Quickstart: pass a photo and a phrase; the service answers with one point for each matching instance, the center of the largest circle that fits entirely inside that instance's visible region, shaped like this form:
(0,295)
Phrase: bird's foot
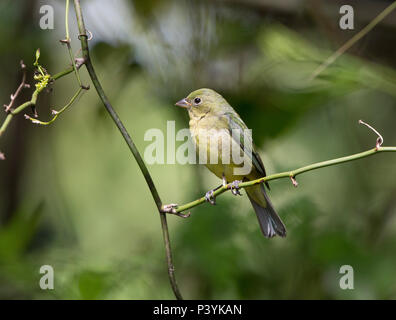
(209,197)
(234,186)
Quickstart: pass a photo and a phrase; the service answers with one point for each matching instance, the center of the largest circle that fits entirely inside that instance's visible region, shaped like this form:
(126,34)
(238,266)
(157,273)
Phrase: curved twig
(56,113)
(88,63)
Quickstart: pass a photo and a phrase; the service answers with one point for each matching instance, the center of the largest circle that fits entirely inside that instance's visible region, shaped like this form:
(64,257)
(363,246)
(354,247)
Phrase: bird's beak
(184,103)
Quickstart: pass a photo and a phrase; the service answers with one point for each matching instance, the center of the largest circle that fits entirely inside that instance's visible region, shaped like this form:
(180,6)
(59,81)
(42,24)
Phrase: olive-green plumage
(211,117)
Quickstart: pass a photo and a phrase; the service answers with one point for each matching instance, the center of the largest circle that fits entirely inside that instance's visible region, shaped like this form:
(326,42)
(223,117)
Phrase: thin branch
(88,63)
(55,112)
(20,87)
(31,102)
(78,63)
(353,40)
(62,73)
(67,42)
(43,79)
(289,174)
(67,20)
(10,116)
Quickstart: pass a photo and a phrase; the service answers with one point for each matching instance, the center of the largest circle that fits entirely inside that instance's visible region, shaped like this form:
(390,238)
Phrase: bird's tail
(270,223)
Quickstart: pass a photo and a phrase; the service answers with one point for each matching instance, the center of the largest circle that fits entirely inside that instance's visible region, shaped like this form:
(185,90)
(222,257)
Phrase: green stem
(36,92)
(23,106)
(29,103)
(288,174)
(67,20)
(6,123)
(57,113)
(130,143)
(62,73)
(67,41)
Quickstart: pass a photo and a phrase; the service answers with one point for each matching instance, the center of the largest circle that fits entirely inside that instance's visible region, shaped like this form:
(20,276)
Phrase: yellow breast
(214,148)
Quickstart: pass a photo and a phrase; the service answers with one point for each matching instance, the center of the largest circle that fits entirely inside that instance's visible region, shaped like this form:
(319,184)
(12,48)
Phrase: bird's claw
(209,197)
(234,186)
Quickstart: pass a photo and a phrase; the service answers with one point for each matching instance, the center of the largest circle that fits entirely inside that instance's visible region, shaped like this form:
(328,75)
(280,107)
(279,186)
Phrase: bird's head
(202,102)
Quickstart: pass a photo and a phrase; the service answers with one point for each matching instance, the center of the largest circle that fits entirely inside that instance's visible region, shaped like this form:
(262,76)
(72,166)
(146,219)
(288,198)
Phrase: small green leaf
(37,57)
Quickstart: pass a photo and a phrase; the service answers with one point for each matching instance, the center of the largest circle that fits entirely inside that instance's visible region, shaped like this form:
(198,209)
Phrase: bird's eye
(197,100)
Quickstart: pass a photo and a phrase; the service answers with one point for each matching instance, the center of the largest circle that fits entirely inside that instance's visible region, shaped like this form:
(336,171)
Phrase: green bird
(213,123)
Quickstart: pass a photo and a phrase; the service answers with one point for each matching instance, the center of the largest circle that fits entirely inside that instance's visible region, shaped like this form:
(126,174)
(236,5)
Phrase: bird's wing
(236,123)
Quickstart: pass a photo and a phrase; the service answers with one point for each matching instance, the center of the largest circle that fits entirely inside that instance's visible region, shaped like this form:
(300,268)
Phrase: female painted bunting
(214,127)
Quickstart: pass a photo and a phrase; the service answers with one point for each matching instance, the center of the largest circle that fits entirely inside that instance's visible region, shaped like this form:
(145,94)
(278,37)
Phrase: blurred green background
(72,196)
